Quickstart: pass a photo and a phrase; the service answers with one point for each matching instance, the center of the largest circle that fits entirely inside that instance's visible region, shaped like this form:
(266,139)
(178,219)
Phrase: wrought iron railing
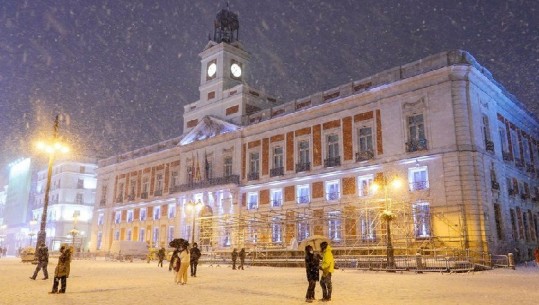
(144,195)
(131,197)
(332,196)
(495,185)
(158,193)
(364,155)
(276,203)
(419,185)
(120,199)
(506,156)
(416,145)
(489,145)
(278,171)
(303,199)
(303,167)
(233,179)
(253,176)
(519,163)
(332,162)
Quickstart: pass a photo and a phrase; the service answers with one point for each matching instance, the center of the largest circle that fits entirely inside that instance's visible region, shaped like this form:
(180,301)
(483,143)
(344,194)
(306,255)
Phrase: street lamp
(194,206)
(388,215)
(51,148)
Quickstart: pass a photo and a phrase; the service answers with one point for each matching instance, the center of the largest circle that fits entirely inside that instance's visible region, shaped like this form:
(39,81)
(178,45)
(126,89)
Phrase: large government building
(435,150)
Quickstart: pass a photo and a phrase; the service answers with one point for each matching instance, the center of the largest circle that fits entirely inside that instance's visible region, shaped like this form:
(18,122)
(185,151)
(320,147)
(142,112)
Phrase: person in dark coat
(234,258)
(42,261)
(175,255)
(61,273)
(312,265)
(242,258)
(195,255)
(161,257)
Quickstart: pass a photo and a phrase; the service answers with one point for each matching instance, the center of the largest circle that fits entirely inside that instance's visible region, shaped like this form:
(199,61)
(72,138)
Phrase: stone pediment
(208,127)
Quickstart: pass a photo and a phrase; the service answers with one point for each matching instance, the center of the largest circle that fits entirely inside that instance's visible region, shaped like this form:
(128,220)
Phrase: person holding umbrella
(312,263)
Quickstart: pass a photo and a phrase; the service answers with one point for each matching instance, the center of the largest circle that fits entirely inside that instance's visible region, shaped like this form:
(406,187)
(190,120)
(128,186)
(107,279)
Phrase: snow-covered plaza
(106,282)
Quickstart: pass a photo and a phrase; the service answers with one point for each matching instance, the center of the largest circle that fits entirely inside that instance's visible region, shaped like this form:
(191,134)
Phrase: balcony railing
(489,145)
(530,168)
(332,162)
(131,197)
(120,199)
(278,171)
(506,156)
(416,145)
(252,205)
(524,196)
(364,155)
(419,185)
(331,196)
(511,192)
(276,203)
(495,185)
(253,176)
(144,195)
(158,193)
(174,189)
(519,163)
(303,167)
(235,179)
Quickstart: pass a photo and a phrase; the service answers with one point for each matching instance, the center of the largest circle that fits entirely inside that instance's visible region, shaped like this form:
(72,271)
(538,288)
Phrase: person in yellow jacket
(327,267)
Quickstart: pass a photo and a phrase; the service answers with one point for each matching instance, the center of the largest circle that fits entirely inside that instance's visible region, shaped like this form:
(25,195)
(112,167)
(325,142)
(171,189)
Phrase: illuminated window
(421,213)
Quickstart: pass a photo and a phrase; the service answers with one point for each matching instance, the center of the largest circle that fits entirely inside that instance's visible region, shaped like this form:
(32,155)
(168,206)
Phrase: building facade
(253,171)
(71,203)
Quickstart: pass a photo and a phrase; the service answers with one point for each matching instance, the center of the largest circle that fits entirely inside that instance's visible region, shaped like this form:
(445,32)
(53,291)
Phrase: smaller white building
(71,202)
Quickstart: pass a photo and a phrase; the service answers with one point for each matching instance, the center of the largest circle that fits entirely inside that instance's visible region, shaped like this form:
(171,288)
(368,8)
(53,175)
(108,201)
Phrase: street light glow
(51,148)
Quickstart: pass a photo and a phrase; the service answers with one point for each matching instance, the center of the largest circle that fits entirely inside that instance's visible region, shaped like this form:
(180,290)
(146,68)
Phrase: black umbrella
(178,243)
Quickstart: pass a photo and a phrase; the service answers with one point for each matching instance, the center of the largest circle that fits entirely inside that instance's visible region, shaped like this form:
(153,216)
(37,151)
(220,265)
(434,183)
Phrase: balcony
(303,167)
(252,205)
(131,197)
(276,203)
(158,193)
(495,185)
(506,156)
(524,196)
(332,162)
(103,202)
(530,168)
(364,155)
(253,176)
(278,171)
(416,145)
(235,179)
(511,192)
(519,163)
(120,199)
(419,185)
(174,189)
(144,195)
(489,145)
(332,196)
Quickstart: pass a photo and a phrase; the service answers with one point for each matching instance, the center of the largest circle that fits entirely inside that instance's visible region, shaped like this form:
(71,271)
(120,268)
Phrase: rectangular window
(100,219)
(174,181)
(276,230)
(277,157)
(254,165)
(416,127)
(514,144)
(499,221)
(503,138)
(80,183)
(132,188)
(99,240)
(142,214)
(116,235)
(335,226)
(304,228)
(141,235)
(304,152)
(155,237)
(228,166)
(158,184)
(129,234)
(421,213)
(276,198)
(117,217)
(486,128)
(526,150)
(145,187)
(514,229)
(103,194)
(170,235)
(252,200)
(332,190)
(156,213)
(365,142)
(368,225)
(332,142)
(171,210)
(303,194)
(364,185)
(79,199)
(418,178)
(130,215)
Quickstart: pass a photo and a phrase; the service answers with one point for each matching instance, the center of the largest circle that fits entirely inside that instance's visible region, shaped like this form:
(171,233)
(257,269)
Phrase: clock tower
(224,93)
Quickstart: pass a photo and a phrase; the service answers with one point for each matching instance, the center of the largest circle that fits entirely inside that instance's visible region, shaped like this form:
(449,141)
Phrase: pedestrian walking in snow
(61,273)
(173,258)
(234,258)
(185,259)
(42,256)
(195,255)
(161,256)
(242,258)
(328,265)
(312,265)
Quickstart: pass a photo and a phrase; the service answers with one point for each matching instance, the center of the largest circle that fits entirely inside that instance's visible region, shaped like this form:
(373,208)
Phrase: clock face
(235,69)
(212,68)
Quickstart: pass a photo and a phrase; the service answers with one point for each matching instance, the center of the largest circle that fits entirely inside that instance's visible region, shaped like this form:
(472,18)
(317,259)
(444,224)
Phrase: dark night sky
(123,69)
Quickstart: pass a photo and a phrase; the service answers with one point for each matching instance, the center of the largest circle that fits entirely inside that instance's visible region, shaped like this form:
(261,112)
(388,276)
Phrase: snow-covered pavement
(104,282)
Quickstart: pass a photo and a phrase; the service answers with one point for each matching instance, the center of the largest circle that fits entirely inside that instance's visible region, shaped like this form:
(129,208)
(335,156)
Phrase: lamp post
(51,149)
(388,216)
(193,206)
